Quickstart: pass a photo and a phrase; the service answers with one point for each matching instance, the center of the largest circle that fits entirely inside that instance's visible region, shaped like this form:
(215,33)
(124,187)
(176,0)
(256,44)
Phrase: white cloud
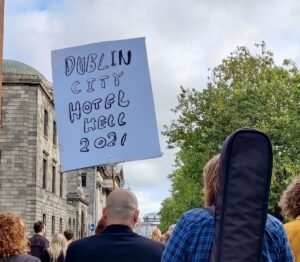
(149,201)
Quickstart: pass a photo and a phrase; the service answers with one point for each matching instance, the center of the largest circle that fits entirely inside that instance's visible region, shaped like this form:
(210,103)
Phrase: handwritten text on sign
(104,104)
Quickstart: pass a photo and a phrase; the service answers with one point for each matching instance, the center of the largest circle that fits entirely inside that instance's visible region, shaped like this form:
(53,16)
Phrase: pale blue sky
(183,39)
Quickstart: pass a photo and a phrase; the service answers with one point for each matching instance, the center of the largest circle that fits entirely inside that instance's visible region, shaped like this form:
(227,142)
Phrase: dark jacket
(46,257)
(21,258)
(38,244)
(116,243)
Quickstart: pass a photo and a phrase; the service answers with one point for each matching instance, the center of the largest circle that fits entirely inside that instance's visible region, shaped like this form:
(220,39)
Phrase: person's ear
(104,213)
(136,216)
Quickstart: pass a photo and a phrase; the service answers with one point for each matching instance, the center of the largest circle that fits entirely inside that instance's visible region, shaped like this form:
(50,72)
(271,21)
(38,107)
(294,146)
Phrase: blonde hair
(58,245)
(211,174)
(156,234)
(290,199)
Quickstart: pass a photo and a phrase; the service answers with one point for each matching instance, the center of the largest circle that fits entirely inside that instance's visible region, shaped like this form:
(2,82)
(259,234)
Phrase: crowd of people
(15,247)
(114,240)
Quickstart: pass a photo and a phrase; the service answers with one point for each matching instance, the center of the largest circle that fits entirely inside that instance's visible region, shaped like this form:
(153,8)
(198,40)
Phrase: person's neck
(40,233)
(120,223)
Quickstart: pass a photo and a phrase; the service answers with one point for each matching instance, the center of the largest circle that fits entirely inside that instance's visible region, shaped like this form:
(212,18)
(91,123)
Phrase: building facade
(31,183)
(150,222)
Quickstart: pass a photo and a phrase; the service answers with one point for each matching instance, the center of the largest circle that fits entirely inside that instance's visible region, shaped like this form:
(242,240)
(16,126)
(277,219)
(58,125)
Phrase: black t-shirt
(46,257)
(38,244)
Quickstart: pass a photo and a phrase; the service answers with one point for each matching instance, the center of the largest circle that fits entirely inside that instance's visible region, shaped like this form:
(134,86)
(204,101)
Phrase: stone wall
(18,149)
(23,148)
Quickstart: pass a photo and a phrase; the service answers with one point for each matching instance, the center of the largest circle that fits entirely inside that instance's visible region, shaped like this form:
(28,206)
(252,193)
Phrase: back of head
(290,200)
(69,234)
(12,235)
(58,245)
(100,226)
(171,228)
(210,174)
(166,237)
(121,208)
(156,234)
(38,226)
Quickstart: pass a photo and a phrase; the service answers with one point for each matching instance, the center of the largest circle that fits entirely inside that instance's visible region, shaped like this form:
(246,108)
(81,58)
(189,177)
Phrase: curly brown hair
(12,235)
(290,199)
(100,226)
(211,175)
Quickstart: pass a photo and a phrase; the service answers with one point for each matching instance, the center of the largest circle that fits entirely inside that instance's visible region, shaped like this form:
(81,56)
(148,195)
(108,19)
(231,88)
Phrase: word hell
(92,62)
(76,109)
(91,124)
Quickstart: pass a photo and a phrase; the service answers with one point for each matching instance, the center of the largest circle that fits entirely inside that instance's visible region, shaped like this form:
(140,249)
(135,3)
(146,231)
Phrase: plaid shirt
(193,236)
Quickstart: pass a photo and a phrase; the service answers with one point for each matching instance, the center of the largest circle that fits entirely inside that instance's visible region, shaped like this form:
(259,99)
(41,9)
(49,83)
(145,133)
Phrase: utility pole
(1,55)
(113,176)
(95,199)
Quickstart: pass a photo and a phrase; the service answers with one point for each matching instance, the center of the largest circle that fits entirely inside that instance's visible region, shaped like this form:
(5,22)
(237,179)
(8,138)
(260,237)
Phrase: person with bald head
(117,242)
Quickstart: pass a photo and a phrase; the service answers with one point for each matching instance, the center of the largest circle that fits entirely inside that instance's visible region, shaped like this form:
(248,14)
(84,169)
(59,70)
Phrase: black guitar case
(242,200)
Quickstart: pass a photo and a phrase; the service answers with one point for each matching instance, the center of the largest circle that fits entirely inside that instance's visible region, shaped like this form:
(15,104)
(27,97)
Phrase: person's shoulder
(273,222)
(33,237)
(38,237)
(197,215)
(274,227)
(45,239)
(292,224)
(30,258)
(24,258)
(149,241)
(81,242)
(148,246)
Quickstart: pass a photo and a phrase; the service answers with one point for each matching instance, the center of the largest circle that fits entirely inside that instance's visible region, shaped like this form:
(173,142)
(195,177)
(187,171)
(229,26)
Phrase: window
(53,178)
(45,123)
(61,184)
(53,225)
(44,219)
(45,173)
(83,179)
(70,223)
(54,133)
(60,225)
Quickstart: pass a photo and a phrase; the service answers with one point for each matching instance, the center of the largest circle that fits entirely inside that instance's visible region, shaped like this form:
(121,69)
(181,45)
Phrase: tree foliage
(245,90)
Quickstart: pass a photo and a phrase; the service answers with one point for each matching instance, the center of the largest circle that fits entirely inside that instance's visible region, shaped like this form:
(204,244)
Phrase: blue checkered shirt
(193,236)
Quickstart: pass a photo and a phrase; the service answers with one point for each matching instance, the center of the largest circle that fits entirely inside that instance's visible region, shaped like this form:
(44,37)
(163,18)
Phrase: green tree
(245,90)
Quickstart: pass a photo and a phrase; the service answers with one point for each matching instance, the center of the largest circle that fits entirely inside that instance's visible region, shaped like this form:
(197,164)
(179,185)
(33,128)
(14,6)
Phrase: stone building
(31,182)
(149,223)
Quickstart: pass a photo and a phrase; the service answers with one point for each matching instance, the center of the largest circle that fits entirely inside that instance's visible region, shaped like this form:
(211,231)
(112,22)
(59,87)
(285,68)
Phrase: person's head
(69,234)
(12,235)
(166,237)
(39,227)
(171,228)
(290,199)
(121,208)
(58,244)
(156,234)
(100,226)
(211,174)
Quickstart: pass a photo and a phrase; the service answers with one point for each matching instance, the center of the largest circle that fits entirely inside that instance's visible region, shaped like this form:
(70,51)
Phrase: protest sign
(104,104)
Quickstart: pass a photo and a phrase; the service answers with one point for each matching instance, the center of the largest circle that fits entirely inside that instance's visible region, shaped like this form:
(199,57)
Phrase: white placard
(104,104)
